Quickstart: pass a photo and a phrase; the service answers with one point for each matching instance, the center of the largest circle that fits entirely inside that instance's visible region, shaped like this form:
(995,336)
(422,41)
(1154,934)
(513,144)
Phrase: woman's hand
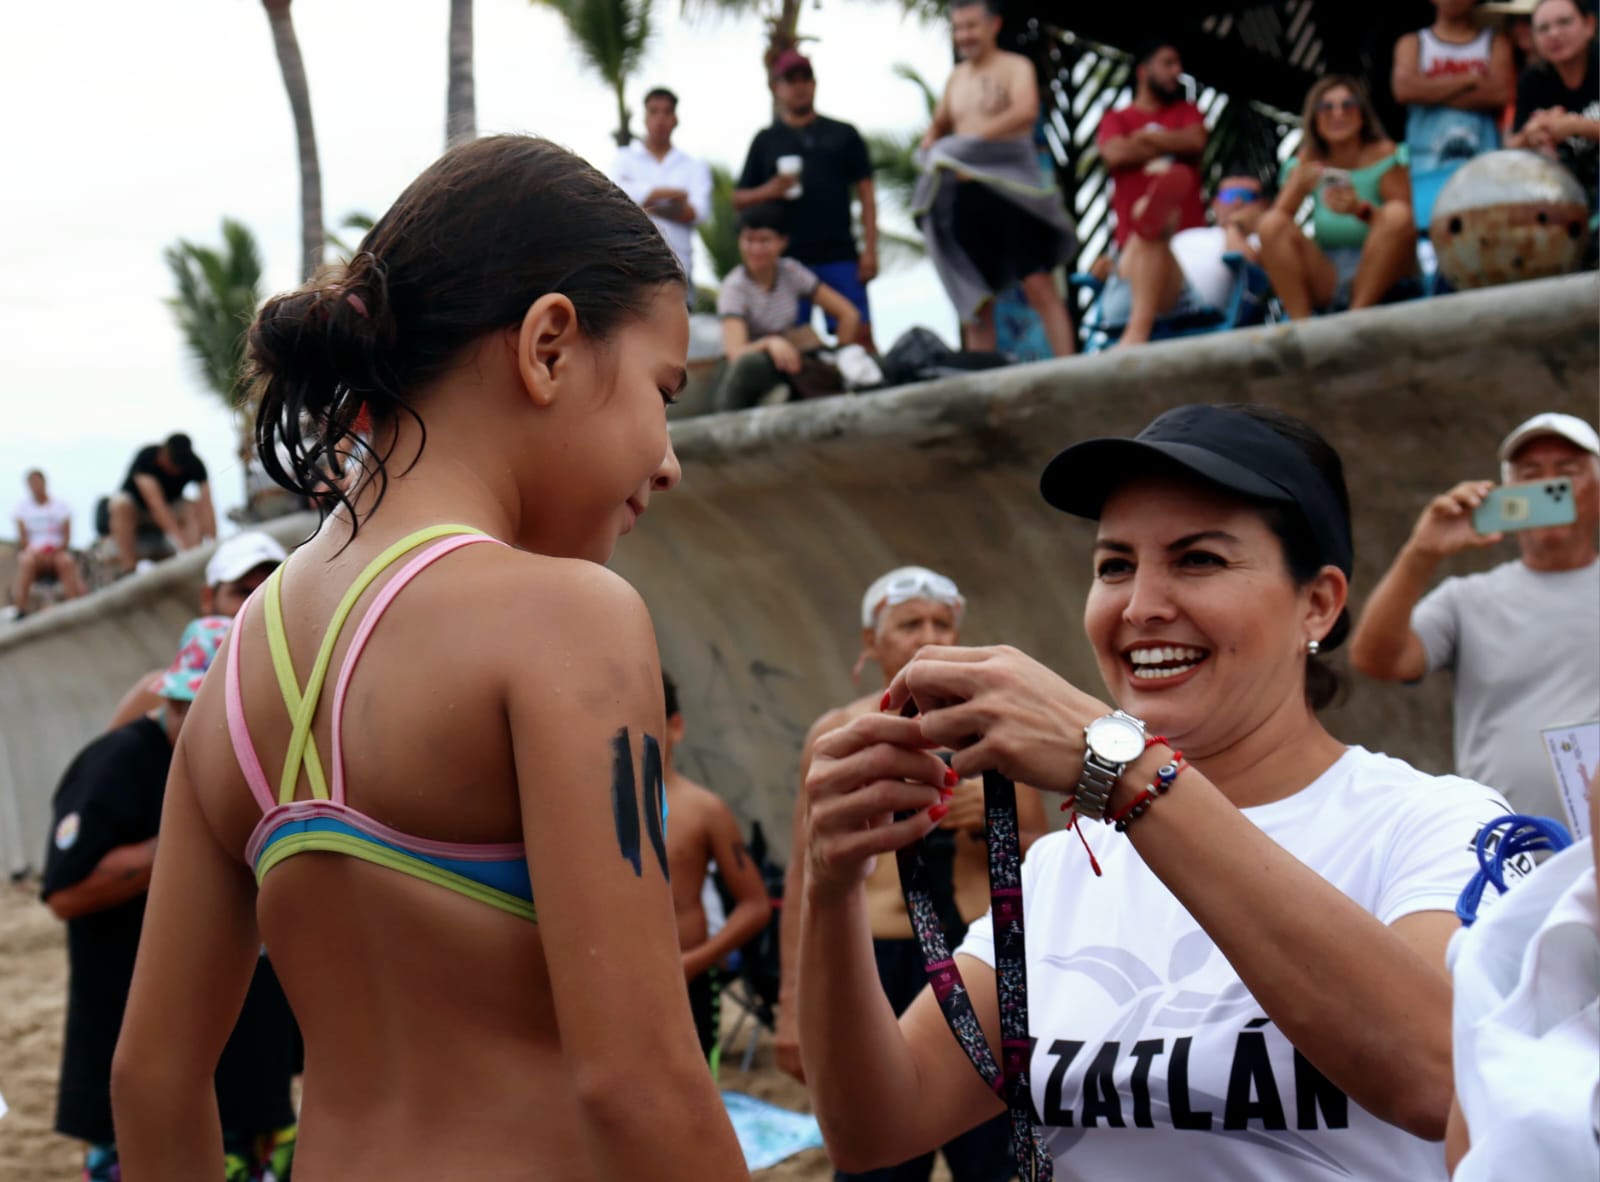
(1306,176)
(999,709)
(862,775)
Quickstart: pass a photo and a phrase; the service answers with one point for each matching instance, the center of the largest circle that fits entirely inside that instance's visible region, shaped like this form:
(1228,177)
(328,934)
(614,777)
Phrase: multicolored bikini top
(496,874)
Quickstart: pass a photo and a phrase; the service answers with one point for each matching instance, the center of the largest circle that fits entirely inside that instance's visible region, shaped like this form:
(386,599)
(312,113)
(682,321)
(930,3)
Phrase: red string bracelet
(1140,804)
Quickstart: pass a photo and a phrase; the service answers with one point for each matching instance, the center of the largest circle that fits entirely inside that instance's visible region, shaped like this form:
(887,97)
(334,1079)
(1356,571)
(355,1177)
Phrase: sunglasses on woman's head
(1238,195)
(1329,105)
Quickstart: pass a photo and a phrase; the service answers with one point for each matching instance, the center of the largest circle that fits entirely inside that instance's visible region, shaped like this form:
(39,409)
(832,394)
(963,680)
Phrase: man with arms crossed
(701,834)
(1522,640)
(900,613)
(671,186)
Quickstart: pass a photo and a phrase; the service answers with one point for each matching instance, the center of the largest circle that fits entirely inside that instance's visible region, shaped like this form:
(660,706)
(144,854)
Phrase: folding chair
(753,987)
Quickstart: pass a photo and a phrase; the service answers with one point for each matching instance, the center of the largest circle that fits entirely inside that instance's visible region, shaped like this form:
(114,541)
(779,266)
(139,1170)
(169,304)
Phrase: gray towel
(1010,169)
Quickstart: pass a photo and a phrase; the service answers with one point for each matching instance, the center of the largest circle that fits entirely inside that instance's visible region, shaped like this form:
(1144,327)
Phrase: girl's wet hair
(471,244)
(1302,553)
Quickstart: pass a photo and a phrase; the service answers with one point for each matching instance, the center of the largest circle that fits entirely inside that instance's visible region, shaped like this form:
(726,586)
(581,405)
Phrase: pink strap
(306,810)
(370,621)
(244,751)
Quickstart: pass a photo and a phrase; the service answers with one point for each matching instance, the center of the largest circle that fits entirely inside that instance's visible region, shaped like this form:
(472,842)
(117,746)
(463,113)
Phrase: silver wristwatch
(1111,743)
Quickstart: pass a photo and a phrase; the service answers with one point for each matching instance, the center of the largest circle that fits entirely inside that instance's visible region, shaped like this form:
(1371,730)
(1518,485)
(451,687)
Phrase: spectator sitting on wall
(671,186)
(761,341)
(1558,100)
(990,217)
(1363,235)
(44,543)
(106,813)
(238,567)
(152,496)
(1153,149)
(1455,78)
(1522,640)
(1155,278)
(815,166)
(703,837)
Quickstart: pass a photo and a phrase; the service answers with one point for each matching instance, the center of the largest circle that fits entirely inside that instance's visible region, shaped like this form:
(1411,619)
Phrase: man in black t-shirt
(106,813)
(1558,100)
(816,166)
(152,496)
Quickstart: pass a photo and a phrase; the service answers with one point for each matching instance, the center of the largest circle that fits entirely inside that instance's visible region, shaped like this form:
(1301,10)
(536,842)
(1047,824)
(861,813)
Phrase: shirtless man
(902,611)
(701,830)
(993,94)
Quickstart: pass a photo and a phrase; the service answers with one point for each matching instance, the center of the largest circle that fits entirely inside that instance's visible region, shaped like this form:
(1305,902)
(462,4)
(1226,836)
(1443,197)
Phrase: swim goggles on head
(908,583)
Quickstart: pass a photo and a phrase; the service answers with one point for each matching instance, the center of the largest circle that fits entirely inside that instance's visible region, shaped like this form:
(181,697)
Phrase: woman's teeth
(1158,663)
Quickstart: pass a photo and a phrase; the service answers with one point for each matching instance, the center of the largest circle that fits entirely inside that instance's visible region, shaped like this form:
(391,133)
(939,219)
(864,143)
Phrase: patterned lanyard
(1011,972)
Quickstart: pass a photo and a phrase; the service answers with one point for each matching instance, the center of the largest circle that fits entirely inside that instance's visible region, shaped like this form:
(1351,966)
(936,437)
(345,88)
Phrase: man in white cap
(1522,640)
(236,568)
(900,613)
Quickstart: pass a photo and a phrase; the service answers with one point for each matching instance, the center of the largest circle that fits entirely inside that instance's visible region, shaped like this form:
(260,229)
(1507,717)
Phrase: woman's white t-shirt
(1152,1059)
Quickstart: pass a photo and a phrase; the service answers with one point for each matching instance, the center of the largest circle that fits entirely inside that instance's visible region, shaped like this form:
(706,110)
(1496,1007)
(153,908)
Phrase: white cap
(1574,430)
(240,555)
(906,583)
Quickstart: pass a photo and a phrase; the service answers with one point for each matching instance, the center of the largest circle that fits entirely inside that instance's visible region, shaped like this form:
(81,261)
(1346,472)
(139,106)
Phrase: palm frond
(217,292)
(719,233)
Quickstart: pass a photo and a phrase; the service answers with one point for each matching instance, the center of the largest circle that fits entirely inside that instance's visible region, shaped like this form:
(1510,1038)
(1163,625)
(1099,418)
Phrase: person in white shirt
(671,186)
(1521,641)
(1169,275)
(1256,988)
(44,535)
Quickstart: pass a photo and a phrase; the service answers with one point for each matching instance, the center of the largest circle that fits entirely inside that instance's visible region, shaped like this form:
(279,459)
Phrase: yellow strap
(382,855)
(302,705)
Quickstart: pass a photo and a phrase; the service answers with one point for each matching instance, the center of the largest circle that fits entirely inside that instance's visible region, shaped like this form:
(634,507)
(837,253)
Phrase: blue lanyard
(1523,835)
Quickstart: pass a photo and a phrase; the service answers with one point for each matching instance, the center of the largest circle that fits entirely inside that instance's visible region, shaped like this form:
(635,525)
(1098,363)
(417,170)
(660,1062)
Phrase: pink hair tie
(359,304)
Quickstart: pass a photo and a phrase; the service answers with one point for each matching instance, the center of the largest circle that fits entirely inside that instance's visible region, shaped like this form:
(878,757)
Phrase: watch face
(1115,740)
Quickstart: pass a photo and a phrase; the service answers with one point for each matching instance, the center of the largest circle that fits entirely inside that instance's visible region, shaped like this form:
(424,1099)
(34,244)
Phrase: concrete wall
(754,569)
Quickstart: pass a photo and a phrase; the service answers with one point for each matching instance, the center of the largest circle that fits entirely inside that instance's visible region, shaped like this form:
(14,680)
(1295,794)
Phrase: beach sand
(33,982)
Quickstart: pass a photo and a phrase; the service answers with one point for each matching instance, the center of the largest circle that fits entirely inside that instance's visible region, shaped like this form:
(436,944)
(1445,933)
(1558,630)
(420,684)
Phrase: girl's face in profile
(610,452)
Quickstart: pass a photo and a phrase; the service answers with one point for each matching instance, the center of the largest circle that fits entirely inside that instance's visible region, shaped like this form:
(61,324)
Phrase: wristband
(1140,804)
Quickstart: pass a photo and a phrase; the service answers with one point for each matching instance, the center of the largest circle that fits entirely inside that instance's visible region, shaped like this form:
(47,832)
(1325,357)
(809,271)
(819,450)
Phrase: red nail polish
(884,704)
(937,812)
(947,794)
(951,779)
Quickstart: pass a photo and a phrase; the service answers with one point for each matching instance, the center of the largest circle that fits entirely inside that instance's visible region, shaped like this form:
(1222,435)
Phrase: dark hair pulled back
(1304,557)
(483,233)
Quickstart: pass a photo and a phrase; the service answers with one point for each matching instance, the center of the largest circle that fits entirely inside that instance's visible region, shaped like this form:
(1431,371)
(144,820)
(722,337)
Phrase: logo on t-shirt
(67,831)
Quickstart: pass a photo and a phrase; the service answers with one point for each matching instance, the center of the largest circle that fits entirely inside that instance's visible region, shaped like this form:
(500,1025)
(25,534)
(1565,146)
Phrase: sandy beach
(33,979)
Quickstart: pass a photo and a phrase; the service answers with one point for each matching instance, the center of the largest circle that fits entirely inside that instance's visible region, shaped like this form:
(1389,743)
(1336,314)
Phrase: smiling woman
(1266,955)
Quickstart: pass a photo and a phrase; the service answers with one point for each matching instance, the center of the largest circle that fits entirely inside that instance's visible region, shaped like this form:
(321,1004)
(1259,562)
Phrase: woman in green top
(1363,239)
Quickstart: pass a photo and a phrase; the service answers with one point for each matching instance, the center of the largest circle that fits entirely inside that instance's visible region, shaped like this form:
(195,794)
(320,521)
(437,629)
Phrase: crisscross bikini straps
(302,752)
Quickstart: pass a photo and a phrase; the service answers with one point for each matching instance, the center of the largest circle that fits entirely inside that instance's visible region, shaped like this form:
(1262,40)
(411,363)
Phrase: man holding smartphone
(1522,640)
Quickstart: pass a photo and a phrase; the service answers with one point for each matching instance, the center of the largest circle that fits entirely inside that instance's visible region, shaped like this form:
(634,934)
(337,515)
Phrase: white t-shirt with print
(46,524)
(1152,1059)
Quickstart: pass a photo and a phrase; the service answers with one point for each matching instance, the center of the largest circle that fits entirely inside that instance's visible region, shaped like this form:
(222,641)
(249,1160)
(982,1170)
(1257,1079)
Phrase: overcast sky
(132,125)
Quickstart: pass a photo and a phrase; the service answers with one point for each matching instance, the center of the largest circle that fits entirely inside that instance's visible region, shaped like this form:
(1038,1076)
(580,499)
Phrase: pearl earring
(1313,647)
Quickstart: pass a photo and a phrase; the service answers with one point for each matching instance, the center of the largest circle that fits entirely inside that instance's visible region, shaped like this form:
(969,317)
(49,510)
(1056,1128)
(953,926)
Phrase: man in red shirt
(1153,148)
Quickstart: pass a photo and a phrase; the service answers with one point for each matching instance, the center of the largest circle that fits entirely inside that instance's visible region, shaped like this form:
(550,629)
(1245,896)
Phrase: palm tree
(218,291)
(461,109)
(719,234)
(894,153)
(294,81)
(612,35)
(782,19)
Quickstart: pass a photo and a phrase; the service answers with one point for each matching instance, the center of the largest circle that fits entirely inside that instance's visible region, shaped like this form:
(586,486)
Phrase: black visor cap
(1220,446)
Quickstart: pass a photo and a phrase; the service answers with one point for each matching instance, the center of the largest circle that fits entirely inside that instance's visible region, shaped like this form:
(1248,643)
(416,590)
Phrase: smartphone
(1534,505)
(1335,178)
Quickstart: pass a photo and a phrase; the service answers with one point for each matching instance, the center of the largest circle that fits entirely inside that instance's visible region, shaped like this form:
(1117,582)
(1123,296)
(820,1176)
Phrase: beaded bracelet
(1136,808)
